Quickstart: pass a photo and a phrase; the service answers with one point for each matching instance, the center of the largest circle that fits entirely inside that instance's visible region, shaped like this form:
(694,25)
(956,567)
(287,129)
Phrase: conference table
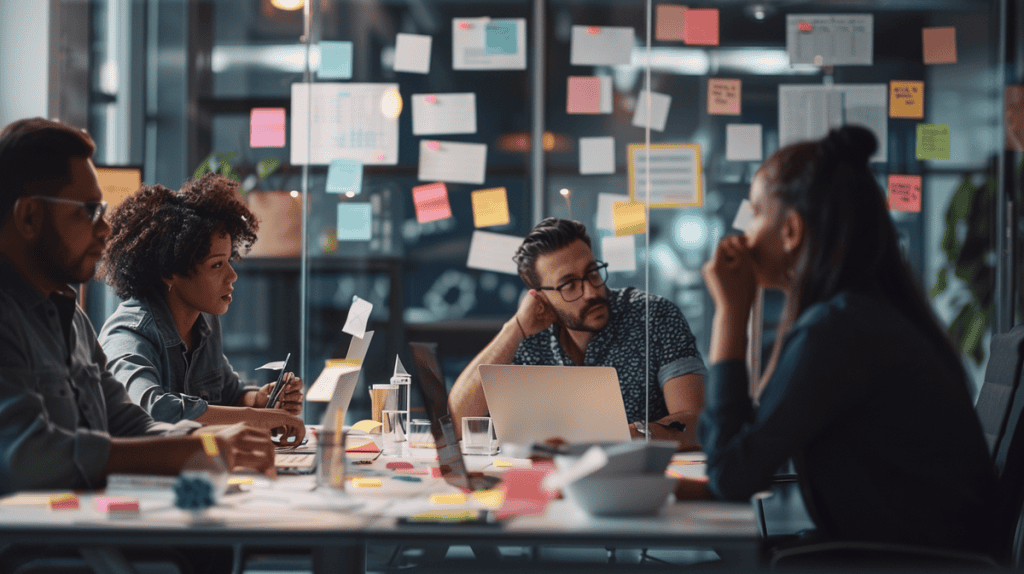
(337,525)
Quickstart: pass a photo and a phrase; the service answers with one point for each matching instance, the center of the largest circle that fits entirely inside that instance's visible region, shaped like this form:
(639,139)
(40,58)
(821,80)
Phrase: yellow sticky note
(241,480)
(906,99)
(339,362)
(502,463)
(366,426)
(368,482)
(210,445)
(448,498)
(489,497)
(629,217)
(490,207)
(118,183)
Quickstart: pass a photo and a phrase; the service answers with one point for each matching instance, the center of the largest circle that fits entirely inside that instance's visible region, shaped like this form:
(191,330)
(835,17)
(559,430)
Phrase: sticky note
(241,480)
(335,61)
(115,504)
(934,141)
(605,207)
(266,127)
(523,493)
(501,463)
(500,37)
(64,502)
(630,217)
(743,142)
(939,45)
(355,324)
(905,193)
(435,472)
(412,471)
(368,446)
(488,497)
(586,95)
(444,113)
(398,465)
(209,444)
(453,162)
(670,20)
(366,482)
(345,176)
(724,96)
(660,104)
(744,215)
(493,252)
(490,207)
(449,498)
(117,183)
(906,99)
(805,27)
(601,45)
(619,253)
(597,155)
(366,426)
(354,221)
(407,478)
(431,202)
(412,53)
(701,26)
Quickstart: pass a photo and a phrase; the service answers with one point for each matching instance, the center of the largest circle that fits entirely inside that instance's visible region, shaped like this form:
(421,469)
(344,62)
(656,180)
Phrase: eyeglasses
(94,210)
(572,289)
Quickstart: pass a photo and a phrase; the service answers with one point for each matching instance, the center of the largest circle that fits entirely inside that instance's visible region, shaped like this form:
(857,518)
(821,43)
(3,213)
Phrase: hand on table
(729,275)
(277,421)
(290,399)
(244,447)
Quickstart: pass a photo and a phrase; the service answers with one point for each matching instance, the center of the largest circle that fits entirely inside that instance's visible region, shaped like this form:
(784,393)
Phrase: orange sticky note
(905,193)
(906,99)
(939,45)
(701,27)
(490,207)
(583,95)
(629,217)
(724,96)
(670,22)
(266,127)
(431,202)
(593,29)
(118,183)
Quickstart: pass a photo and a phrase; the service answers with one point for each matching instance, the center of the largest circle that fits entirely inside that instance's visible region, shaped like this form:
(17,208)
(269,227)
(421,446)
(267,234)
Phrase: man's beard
(54,260)
(578,323)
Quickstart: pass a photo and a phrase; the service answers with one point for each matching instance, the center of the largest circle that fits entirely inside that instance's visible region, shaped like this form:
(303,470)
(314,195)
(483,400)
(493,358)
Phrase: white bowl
(623,495)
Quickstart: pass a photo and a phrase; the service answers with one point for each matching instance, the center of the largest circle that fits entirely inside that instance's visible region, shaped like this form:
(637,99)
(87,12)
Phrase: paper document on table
(347,122)
(743,142)
(444,114)
(601,45)
(830,39)
(454,162)
(493,252)
(809,111)
(358,316)
(486,44)
(597,155)
(412,53)
(675,175)
(619,253)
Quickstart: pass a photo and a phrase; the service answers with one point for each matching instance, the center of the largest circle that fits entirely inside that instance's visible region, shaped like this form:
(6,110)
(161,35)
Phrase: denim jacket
(146,354)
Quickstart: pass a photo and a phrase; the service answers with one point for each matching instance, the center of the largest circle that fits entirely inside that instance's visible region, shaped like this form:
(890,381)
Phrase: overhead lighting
(287,4)
(391,104)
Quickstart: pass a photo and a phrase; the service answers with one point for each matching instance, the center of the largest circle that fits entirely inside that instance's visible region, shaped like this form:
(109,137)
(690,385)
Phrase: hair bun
(855,144)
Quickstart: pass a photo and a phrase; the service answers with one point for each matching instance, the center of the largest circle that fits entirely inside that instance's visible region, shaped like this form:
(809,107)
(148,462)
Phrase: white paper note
(659,110)
(743,142)
(443,114)
(675,175)
(830,39)
(493,252)
(601,45)
(743,215)
(358,345)
(605,208)
(597,155)
(358,315)
(453,162)
(348,122)
(809,111)
(472,51)
(412,53)
(619,252)
(323,388)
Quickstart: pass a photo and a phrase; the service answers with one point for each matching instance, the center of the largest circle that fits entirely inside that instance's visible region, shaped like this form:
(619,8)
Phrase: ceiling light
(287,4)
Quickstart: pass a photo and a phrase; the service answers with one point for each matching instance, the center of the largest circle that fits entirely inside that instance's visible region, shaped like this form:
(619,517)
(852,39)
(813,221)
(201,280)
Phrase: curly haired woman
(169,257)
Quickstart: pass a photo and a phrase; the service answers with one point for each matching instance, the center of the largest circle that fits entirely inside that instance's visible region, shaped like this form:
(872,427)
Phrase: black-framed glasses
(94,210)
(572,289)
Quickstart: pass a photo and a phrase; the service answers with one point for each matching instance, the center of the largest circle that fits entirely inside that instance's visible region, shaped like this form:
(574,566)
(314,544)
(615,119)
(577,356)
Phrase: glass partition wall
(333,115)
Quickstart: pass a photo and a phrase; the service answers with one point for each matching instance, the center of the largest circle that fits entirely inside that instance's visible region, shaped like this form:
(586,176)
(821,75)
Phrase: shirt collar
(18,288)
(165,322)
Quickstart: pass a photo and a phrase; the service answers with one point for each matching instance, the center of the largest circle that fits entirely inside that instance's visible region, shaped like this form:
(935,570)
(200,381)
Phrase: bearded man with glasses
(570,317)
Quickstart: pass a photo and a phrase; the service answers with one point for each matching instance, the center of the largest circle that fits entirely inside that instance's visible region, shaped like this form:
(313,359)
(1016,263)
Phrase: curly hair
(157,233)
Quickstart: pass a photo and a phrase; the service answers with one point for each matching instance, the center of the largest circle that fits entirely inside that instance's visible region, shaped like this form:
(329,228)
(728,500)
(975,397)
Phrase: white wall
(24,59)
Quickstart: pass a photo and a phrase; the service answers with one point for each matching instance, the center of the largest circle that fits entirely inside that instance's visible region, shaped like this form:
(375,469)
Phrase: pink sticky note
(266,127)
(435,472)
(523,494)
(465,25)
(411,471)
(905,193)
(701,27)
(431,99)
(115,504)
(434,145)
(670,22)
(431,202)
(593,29)
(939,45)
(724,96)
(64,502)
(805,26)
(584,95)
(398,465)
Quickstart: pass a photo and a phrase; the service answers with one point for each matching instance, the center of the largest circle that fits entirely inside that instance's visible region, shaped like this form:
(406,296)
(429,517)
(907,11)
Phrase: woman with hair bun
(169,257)
(863,391)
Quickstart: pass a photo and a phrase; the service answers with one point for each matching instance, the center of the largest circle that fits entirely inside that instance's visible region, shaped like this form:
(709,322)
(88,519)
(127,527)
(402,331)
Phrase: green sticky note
(345,176)
(500,37)
(354,222)
(934,141)
(335,61)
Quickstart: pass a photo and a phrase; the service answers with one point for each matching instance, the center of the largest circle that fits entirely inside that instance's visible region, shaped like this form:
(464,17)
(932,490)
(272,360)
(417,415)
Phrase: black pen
(279,385)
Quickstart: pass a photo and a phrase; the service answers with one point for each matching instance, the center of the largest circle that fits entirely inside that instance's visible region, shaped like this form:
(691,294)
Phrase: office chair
(1000,408)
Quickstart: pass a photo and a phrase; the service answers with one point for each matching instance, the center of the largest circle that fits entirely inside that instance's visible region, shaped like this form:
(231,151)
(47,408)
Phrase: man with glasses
(570,317)
(65,422)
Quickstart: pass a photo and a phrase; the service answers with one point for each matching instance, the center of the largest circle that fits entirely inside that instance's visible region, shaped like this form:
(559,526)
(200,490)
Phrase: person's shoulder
(633,297)
(844,310)
(132,316)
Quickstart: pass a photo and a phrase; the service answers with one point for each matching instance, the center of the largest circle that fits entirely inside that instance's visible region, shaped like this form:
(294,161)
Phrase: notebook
(532,403)
(435,399)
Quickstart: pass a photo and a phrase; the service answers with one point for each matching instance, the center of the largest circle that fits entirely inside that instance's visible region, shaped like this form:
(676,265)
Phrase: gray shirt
(59,406)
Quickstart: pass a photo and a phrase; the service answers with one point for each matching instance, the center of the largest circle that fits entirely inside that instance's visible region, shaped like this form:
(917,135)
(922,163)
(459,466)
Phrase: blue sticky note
(335,61)
(500,37)
(354,222)
(408,478)
(345,175)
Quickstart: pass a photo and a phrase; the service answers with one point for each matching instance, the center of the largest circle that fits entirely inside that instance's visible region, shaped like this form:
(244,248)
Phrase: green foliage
(222,163)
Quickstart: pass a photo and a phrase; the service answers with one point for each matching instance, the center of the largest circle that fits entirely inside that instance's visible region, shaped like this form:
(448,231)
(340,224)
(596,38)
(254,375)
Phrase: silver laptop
(530,403)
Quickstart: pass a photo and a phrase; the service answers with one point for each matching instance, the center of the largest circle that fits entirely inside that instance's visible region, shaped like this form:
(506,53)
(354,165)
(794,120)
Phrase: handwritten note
(431,202)
(934,141)
(724,96)
(906,99)
(266,127)
(412,53)
(905,193)
(630,218)
(354,222)
(701,27)
(597,155)
(601,45)
(939,45)
(490,207)
(670,20)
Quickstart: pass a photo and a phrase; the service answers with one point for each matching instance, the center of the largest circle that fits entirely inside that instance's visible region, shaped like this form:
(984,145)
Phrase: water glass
(393,433)
(477,436)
